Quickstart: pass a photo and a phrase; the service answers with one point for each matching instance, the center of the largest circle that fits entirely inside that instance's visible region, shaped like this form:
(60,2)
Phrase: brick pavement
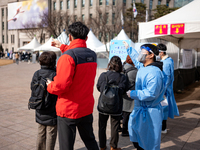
(18,128)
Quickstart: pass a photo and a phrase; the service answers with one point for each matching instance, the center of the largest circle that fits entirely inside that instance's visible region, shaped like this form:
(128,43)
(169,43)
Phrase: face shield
(143,53)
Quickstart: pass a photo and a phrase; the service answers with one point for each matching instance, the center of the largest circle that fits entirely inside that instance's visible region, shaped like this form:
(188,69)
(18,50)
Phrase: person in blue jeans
(145,122)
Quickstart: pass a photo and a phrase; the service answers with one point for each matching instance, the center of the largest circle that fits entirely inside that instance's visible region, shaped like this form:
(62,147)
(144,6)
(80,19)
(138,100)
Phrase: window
(90,16)
(100,35)
(113,35)
(75,3)
(83,17)
(44,37)
(100,2)
(6,11)
(54,5)
(68,20)
(159,2)
(83,3)
(124,2)
(68,4)
(2,25)
(114,2)
(2,11)
(7,38)
(61,5)
(150,4)
(107,18)
(107,2)
(113,18)
(91,2)
(75,18)
(13,38)
(167,3)
(142,1)
(2,38)
(100,17)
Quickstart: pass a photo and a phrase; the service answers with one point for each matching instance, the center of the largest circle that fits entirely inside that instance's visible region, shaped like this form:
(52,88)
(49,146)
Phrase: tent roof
(63,38)
(47,47)
(121,36)
(92,42)
(30,46)
(188,14)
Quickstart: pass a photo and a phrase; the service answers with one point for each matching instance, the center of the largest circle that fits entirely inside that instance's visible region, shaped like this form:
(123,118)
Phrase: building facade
(84,9)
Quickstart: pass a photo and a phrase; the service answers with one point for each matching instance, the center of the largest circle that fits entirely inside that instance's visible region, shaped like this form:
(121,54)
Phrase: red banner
(161,29)
(177,28)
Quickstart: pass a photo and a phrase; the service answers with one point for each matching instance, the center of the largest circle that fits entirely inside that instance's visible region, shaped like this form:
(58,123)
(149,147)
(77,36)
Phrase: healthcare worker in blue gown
(145,121)
(168,68)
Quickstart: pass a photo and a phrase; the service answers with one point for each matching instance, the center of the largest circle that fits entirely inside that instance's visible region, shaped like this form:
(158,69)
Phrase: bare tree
(52,23)
(34,30)
(106,25)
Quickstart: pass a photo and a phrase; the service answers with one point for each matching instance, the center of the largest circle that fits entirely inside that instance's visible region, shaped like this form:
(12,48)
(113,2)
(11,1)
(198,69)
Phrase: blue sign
(117,48)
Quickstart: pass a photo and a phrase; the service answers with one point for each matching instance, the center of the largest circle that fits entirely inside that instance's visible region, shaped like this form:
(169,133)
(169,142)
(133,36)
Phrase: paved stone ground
(18,128)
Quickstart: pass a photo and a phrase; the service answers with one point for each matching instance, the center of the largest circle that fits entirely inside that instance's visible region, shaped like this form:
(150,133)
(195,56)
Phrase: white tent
(189,15)
(47,47)
(92,42)
(121,36)
(30,46)
(63,38)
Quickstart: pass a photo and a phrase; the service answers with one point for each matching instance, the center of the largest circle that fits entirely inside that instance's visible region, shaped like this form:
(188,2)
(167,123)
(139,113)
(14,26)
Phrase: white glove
(126,44)
(128,93)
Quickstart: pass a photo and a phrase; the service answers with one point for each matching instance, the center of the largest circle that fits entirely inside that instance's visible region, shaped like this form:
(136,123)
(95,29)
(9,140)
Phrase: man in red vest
(74,82)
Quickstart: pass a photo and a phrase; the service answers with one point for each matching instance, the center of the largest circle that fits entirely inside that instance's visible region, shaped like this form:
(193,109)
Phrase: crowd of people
(139,91)
(20,56)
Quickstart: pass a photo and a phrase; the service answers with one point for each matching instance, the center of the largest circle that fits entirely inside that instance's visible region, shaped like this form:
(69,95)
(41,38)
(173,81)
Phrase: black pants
(164,125)
(114,130)
(136,145)
(67,132)
(125,121)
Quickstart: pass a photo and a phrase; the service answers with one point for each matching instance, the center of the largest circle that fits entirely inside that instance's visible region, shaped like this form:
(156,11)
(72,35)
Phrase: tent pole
(178,62)
(196,57)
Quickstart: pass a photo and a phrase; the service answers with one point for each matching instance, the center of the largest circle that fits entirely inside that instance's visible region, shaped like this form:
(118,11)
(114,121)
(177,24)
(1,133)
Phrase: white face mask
(158,58)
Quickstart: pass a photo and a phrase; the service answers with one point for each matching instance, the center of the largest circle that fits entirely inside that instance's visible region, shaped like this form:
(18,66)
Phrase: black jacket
(46,116)
(112,78)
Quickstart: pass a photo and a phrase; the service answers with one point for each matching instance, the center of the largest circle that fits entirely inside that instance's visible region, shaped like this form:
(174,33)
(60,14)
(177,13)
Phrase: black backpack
(40,98)
(109,101)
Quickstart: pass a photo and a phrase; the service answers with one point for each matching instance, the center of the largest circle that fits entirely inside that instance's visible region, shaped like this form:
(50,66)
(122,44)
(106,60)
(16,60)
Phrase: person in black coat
(46,118)
(114,75)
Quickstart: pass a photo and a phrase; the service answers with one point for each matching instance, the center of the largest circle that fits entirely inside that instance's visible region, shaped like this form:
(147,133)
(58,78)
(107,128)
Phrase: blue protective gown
(171,110)
(145,122)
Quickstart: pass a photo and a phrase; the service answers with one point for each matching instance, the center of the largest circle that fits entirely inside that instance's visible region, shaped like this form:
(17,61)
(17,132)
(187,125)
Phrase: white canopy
(47,47)
(121,36)
(92,42)
(189,15)
(63,38)
(30,46)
